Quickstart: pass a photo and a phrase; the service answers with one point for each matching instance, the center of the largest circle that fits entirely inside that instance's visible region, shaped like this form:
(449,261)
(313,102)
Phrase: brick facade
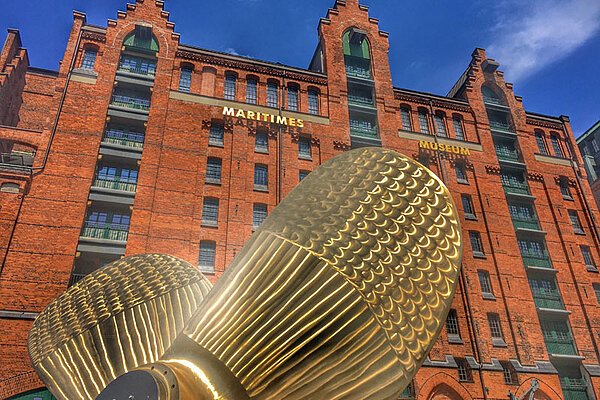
(112,160)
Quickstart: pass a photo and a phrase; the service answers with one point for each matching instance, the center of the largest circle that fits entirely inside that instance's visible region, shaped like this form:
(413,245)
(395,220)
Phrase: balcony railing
(358,67)
(132,102)
(537,261)
(370,132)
(525,223)
(124,138)
(97,230)
(550,300)
(491,100)
(115,184)
(138,65)
(500,126)
(562,346)
(507,154)
(360,100)
(574,388)
(516,188)
(76,278)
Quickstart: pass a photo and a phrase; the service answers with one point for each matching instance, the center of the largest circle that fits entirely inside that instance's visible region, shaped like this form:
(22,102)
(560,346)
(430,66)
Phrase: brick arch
(442,386)
(545,392)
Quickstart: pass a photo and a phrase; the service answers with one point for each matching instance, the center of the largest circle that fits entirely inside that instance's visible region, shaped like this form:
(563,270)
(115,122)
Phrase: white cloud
(531,35)
(231,50)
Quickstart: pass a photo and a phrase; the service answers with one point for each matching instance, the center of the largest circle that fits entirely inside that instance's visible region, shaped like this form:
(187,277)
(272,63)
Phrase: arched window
(293,91)
(251,89)
(490,96)
(405,116)
(541,143)
(9,187)
(142,39)
(230,80)
(272,93)
(356,53)
(89,57)
(423,123)
(185,77)
(457,123)
(555,140)
(440,123)
(313,100)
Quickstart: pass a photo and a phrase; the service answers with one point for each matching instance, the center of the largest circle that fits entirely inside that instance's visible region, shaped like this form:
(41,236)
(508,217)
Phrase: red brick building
(126,149)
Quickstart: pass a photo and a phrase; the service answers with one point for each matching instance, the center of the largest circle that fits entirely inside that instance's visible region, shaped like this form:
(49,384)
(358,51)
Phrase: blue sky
(549,49)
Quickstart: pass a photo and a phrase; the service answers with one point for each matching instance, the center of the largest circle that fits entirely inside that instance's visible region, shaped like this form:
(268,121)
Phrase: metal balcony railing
(358,67)
(360,100)
(513,187)
(76,278)
(563,346)
(491,100)
(116,184)
(370,132)
(500,126)
(132,102)
(537,261)
(97,230)
(525,223)
(138,65)
(507,154)
(547,299)
(124,138)
(574,388)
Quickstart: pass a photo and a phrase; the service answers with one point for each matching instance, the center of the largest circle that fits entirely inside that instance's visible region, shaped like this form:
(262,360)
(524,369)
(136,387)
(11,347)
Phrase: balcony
(124,138)
(357,67)
(547,299)
(492,100)
(507,154)
(574,388)
(525,223)
(562,346)
(131,102)
(516,188)
(17,161)
(360,100)
(138,66)
(107,231)
(115,184)
(537,261)
(364,131)
(500,126)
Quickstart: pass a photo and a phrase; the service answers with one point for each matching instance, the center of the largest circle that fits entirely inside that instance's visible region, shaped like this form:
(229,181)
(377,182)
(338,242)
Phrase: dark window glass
(302,175)
(261,142)
(216,134)
(587,256)
(458,128)
(541,144)
(259,214)
(566,192)
(597,292)
(461,173)
(595,145)
(423,125)
(304,147)
(484,282)
(575,223)
(556,146)
(440,125)
(89,59)
(213,170)
(452,324)
(510,375)
(467,204)
(272,96)
(251,91)
(405,116)
(185,80)
(532,248)
(313,102)
(210,211)
(495,328)
(229,87)
(476,245)
(293,98)
(206,256)
(260,176)
(465,374)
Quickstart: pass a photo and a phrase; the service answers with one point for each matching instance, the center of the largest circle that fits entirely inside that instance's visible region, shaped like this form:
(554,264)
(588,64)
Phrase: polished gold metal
(340,294)
(116,319)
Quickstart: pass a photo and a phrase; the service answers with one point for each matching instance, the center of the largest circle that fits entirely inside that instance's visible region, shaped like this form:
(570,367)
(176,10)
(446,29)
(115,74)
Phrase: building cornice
(424,98)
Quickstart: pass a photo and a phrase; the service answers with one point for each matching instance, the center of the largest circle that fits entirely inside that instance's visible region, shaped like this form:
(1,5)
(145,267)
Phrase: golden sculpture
(340,294)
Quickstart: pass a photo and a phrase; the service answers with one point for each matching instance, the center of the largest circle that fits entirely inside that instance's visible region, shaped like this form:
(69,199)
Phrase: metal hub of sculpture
(340,294)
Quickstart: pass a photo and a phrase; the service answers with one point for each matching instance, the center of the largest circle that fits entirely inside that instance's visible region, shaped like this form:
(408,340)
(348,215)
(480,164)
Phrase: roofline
(249,60)
(435,96)
(543,116)
(94,28)
(42,72)
(585,134)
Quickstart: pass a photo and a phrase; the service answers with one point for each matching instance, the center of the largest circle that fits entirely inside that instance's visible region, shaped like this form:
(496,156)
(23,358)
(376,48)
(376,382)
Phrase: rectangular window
(452,324)
(597,292)
(89,59)
(304,148)
(510,375)
(467,205)
(215,137)
(440,125)
(565,190)
(260,177)
(313,102)
(272,95)
(595,145)
(575,223)
(258,215)
(556,146)
(587,257)
(541,144)
(465,374)
(302,175)
(206,256)
(476,244)
(292,98)
(423,125)
(458,128)
(229,93)
(213,170)
(532,248)
(495,328)
(484,282)
(405,117)
(251,85)
(185,79)
(210,211)
(261,142)
(461,173)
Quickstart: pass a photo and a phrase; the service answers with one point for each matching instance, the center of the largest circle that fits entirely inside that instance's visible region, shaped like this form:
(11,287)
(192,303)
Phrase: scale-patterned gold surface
(117,318)
(341,292)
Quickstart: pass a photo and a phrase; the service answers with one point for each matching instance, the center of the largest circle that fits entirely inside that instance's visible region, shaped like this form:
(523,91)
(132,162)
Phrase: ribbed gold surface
(119,317)
(341,292)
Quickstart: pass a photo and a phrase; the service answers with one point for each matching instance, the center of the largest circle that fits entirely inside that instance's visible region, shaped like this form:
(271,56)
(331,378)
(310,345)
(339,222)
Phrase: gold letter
(465,151)
(423,144)
(281,120)
(250,114)
(240,114)
(228,111)
(300,123)
(292,121)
